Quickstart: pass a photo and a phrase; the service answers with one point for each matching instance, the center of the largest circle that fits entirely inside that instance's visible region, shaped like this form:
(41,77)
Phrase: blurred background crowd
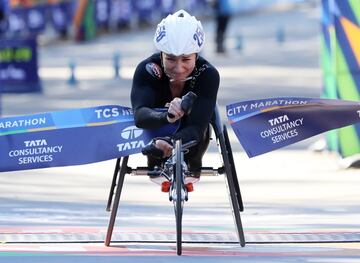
(84,19)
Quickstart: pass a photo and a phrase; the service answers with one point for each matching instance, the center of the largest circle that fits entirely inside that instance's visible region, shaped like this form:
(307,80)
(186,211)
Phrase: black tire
(113,184)
(179,202)
(116,200)
(233,169)
(231,190)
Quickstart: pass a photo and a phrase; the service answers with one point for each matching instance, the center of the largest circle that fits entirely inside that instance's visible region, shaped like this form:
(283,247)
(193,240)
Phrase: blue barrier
(72,79)
(280,34)
(116,63)
(239,42)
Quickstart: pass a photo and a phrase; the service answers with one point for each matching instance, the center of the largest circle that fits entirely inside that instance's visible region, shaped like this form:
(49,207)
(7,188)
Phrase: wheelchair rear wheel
(120,182)
(231,187)
(233,169)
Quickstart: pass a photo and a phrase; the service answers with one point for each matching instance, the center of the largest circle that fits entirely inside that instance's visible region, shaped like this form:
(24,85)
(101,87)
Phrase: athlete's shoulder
(151,66)
(202,62)
(203,65)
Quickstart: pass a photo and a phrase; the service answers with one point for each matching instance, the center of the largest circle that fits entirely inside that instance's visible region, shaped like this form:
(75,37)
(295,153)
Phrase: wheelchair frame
(228,169)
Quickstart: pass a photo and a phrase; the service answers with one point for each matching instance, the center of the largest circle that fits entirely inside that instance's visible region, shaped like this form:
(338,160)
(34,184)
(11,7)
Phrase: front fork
(185,171)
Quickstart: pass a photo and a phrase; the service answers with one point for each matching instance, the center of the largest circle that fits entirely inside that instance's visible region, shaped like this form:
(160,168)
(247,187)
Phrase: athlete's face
(178,68)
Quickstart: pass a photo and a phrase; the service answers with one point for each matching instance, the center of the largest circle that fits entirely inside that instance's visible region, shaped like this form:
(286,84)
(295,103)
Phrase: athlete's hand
(175,111)
(165,147)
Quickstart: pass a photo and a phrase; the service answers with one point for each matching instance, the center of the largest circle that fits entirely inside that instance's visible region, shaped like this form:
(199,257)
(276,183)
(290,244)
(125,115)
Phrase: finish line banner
(72,137)
(269,124)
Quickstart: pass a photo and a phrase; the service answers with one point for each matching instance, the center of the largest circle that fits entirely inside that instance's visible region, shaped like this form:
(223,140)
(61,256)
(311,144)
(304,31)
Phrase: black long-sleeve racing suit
(151,89)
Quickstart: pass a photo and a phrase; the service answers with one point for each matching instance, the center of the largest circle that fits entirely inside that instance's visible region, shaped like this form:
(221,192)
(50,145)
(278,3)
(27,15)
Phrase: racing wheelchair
(175,170)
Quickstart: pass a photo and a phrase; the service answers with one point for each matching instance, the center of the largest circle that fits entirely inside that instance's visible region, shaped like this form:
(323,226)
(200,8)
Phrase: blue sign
(269,124)
(121,12)
(102,12)
(18,66)
(61,15)
(145,10)
(17,21)
(167,7)
(36,19)
(4,10)
(72,137)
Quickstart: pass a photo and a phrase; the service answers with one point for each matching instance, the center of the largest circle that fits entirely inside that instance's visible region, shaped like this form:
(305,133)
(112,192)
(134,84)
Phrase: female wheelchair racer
(165,77)
(162,80)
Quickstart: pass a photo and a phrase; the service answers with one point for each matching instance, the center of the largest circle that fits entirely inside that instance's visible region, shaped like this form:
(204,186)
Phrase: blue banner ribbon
(269,124)
(72,137)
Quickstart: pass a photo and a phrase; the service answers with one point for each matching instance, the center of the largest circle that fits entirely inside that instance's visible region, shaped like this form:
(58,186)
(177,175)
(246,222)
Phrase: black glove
(187,102)
(152,150)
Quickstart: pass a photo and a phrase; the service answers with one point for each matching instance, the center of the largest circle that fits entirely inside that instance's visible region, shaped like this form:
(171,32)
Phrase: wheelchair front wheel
(179,200)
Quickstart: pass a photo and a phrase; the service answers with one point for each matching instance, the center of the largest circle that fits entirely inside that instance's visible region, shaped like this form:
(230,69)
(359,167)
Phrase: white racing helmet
(179,34)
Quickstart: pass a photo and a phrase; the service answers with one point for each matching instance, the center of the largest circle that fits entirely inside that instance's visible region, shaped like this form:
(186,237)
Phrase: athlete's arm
(197,122)
(143,99)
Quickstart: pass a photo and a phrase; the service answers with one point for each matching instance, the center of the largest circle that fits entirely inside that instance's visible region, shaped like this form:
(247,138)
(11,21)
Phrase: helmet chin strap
(172,80)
